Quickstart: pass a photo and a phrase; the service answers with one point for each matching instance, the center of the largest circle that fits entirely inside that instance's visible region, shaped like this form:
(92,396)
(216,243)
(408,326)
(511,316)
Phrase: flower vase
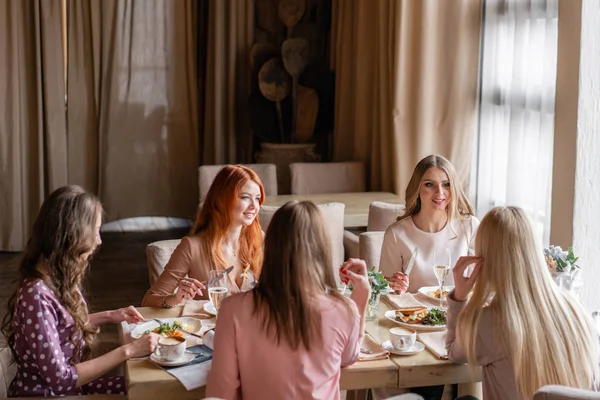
(373,307)
(569,281)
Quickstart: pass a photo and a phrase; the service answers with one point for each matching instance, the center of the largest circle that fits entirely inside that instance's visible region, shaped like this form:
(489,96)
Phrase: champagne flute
(441,268)
(217,288)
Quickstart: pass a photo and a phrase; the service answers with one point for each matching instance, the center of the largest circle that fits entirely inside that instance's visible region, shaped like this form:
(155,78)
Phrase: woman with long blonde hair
(531,334)
(48,327)
(289,336)
(438,217)
(226,233)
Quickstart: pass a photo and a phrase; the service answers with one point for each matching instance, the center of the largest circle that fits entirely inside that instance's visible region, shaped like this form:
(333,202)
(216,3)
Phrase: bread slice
(412,310)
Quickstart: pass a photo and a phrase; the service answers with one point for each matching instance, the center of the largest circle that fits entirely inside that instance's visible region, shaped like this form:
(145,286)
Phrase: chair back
(369,248)
(556,392)
(8,369)
(333,177)
(266,172)
(382,215)
(158,255)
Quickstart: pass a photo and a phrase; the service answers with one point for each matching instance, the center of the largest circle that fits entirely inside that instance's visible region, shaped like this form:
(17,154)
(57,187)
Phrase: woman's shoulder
(337,308)
(402,225)
(34,293)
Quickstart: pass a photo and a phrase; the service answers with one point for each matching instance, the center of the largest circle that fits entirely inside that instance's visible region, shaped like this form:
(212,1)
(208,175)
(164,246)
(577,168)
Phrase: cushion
(317,178)
(158,255)
(333,214)
(369,248)
(382,215)
(555,392)
(8,370)
(266,172)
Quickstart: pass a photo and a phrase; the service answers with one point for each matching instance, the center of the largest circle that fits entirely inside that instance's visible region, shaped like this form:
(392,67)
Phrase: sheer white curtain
(515,139)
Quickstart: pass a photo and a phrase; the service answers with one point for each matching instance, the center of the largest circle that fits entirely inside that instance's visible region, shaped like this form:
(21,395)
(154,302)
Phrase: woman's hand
(127,314)
(188,289)
(355,271)
(464,285)
(143,346)
(399,282)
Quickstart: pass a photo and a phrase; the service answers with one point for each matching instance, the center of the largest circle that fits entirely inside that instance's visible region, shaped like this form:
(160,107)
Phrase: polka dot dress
(42,331)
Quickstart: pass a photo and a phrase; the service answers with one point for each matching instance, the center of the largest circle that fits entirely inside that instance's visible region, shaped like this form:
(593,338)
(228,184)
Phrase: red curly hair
(214,217)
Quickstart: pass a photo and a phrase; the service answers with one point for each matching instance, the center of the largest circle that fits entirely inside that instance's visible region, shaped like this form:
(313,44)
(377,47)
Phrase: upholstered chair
(266,172)
(555,392)
(332,177)
(381,215)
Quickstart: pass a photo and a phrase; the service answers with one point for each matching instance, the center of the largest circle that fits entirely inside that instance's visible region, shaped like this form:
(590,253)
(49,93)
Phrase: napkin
(378,352)
(435,342)
(195,308)
(192,376)
(396,301)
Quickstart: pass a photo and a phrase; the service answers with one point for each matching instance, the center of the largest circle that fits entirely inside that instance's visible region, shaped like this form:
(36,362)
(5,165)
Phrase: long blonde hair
(459,206)
(546,335)
(297,269)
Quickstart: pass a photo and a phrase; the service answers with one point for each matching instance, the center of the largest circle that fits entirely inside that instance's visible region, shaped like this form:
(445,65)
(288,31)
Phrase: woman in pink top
(531,334)
(288,338)
(226,233)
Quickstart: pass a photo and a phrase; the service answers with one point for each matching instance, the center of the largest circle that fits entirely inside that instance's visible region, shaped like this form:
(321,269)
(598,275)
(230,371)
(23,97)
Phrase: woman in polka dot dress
(48,327)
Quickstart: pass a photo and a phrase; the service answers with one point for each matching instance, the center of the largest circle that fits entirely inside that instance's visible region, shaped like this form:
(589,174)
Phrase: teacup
(402,338)
(170,348)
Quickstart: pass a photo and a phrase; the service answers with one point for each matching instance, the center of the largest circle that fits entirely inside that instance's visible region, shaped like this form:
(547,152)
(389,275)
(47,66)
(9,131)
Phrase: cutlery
(411,263)
(366,351)
(220,276)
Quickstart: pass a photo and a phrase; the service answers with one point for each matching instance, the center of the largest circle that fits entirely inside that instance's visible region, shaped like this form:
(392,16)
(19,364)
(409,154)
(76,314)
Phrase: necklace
(230,248)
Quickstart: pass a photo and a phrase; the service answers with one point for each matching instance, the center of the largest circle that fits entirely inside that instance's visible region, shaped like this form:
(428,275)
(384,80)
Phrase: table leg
(474,389)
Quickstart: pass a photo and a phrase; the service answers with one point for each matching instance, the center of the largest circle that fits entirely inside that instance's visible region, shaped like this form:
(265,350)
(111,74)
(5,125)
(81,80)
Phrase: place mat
(378,352)
(435,342)
(396,301)
(194,374)
(195,308)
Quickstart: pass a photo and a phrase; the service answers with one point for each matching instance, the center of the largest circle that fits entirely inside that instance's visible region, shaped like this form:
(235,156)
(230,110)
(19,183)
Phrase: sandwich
(411,315)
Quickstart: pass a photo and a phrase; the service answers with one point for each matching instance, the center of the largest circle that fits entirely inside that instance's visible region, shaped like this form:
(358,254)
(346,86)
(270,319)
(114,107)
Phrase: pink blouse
(249,364)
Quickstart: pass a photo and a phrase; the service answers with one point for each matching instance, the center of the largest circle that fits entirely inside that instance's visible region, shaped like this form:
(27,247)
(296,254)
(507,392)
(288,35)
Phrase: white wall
(586,217)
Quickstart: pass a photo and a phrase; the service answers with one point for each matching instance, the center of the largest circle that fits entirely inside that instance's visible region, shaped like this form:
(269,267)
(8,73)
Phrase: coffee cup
(170,348)
(402,338)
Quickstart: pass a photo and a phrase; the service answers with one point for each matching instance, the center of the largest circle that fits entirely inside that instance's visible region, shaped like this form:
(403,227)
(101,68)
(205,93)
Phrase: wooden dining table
(147,381)
(357,204)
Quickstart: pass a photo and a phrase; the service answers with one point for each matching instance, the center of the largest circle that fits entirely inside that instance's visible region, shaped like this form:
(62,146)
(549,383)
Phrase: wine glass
(217,288)
(441,267)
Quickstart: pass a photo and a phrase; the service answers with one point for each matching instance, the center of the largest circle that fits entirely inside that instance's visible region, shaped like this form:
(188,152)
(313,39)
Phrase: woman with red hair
(226,233)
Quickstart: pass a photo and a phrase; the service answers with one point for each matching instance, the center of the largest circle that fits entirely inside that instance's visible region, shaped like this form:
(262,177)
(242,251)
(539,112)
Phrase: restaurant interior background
(128,98)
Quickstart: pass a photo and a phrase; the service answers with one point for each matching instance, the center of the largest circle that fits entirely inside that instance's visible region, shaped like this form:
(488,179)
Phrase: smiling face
(434,190)
(247,205)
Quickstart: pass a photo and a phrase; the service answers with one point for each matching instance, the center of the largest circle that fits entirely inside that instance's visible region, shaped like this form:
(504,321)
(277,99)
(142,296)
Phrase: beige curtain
(226,132)
(32,114)
(406,84)
(133,105)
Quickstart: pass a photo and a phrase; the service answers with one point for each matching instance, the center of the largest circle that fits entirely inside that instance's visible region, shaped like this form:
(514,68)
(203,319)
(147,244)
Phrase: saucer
(209,308)
(186,358)
(414,349)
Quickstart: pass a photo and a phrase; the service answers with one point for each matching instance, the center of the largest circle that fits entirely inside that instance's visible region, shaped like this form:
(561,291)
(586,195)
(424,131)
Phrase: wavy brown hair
(214,217)
(63,232)
(297,269)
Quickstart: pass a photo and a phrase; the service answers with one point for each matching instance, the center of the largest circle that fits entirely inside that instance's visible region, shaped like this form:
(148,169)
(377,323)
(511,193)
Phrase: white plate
(195,325)
(391,314)
(414,349)
(426,290)
(186,358)
(209,308)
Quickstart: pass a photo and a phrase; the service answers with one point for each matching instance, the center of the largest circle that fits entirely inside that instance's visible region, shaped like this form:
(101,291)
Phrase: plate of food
(168,327)
(419,318)
(433,292)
